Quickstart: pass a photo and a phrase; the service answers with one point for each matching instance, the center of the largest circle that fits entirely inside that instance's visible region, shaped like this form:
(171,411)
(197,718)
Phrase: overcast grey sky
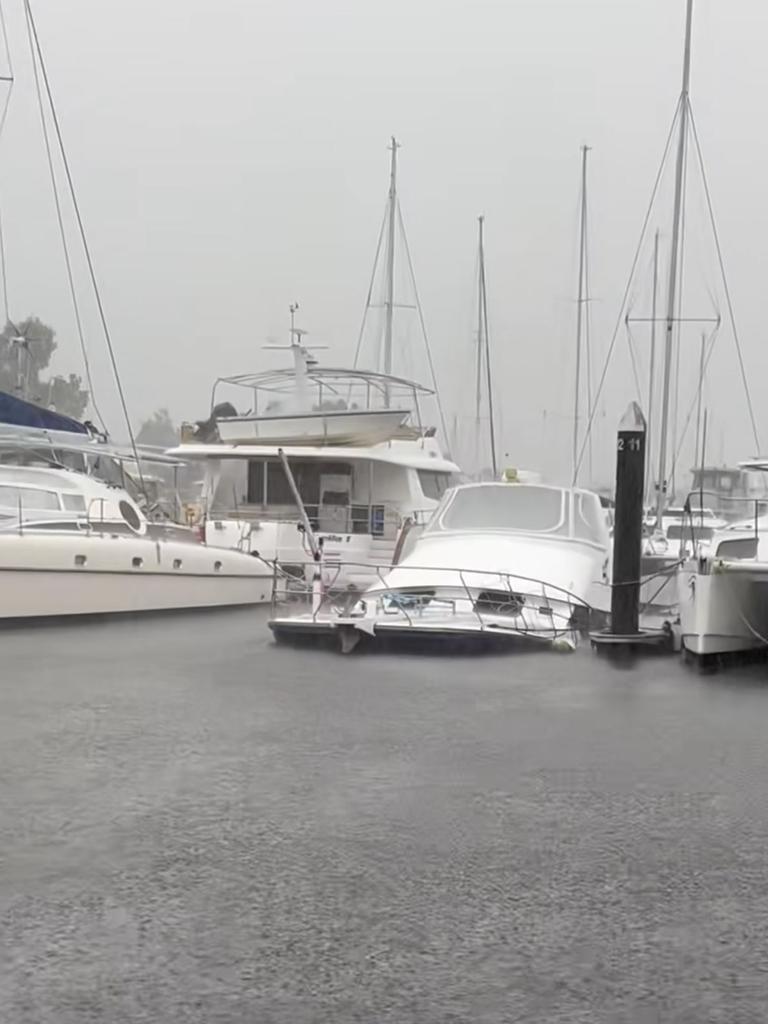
(231,158)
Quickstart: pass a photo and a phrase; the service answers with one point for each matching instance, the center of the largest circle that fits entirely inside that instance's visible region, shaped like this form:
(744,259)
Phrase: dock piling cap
(633,419)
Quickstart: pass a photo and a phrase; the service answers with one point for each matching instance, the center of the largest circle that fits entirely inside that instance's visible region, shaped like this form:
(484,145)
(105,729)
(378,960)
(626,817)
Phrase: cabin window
(433,484)
(505,507)
(129,514)
(310,475)
(256,492)
(588,519)
(73,502)
(30,498)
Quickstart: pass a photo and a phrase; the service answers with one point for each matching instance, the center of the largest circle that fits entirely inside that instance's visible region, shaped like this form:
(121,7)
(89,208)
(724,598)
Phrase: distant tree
(26,349)
(158,430)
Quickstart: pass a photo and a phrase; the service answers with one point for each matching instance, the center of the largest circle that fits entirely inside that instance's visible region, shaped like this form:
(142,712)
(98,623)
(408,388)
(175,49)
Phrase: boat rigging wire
(484,344)
(63,233)
(423,324)
(630,281)
(721,266)
(370,286)
(9,78)
(731,316)
(86,248)
(633,360)
(710,345)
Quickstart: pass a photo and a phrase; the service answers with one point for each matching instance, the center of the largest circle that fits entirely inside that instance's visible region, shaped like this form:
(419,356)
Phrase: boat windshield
(509,507)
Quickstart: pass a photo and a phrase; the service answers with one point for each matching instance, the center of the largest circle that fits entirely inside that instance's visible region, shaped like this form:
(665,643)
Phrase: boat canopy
(321,389)
(19,413)
(332,381)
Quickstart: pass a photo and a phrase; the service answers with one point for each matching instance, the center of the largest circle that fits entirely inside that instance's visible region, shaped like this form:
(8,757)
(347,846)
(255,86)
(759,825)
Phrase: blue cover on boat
(18,413)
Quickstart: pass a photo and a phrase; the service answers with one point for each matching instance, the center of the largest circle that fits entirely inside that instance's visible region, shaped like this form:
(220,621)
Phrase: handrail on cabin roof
(269,380)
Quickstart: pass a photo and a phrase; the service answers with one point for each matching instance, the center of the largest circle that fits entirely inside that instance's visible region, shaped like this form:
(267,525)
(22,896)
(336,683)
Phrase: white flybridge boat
(346,454)
(497,564)
(72,544)
(362,463)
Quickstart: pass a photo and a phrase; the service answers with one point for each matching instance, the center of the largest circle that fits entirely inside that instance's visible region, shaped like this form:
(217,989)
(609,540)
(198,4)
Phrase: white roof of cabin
(423,454)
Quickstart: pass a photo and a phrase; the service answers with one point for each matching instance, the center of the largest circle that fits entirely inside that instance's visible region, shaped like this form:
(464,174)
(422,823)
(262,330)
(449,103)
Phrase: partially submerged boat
(496,564)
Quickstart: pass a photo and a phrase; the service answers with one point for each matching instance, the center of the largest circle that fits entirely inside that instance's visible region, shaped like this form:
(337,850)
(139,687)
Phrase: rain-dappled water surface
(198,826)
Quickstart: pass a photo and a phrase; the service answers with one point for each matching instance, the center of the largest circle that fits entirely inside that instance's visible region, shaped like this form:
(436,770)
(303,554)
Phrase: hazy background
(231,158)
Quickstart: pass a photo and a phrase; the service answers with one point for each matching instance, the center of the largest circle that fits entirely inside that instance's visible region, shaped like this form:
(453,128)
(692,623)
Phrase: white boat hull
(51,575)
(724,611)
(334,428)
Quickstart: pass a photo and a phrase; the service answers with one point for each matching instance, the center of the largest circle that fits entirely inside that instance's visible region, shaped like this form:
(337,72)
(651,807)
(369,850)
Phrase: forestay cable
(84,240)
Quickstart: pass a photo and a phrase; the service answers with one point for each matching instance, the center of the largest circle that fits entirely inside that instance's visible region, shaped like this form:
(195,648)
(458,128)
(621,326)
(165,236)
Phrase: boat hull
(337,428)
(462,634)
(59,575)
(723,611)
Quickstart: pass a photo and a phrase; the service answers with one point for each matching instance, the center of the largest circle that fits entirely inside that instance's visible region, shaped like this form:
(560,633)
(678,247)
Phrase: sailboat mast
(389,302)
(701,388)
(486,349)
(673,263)
(479,352)
(580,310)
(652,369)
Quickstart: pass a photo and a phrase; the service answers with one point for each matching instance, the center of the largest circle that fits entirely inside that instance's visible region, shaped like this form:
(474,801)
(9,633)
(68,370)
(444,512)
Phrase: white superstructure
(356,498)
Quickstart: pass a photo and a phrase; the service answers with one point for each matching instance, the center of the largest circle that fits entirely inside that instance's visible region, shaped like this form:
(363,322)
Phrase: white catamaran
(73,544)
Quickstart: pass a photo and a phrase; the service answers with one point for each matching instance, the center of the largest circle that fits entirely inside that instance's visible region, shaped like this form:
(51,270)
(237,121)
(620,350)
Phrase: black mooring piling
(624,634)
(628,522)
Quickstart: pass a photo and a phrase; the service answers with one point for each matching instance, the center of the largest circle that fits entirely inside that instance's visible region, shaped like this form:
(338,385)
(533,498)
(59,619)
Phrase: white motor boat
(342,427)
(496,563)
(72,545)
(723,597)
(311,405)
(723,593)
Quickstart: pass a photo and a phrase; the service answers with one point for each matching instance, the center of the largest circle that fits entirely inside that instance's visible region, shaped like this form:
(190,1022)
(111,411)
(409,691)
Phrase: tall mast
(580,308)
(483,341)
(389,302)
(673,262)
(479,352)
(652,370)
(698,397)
